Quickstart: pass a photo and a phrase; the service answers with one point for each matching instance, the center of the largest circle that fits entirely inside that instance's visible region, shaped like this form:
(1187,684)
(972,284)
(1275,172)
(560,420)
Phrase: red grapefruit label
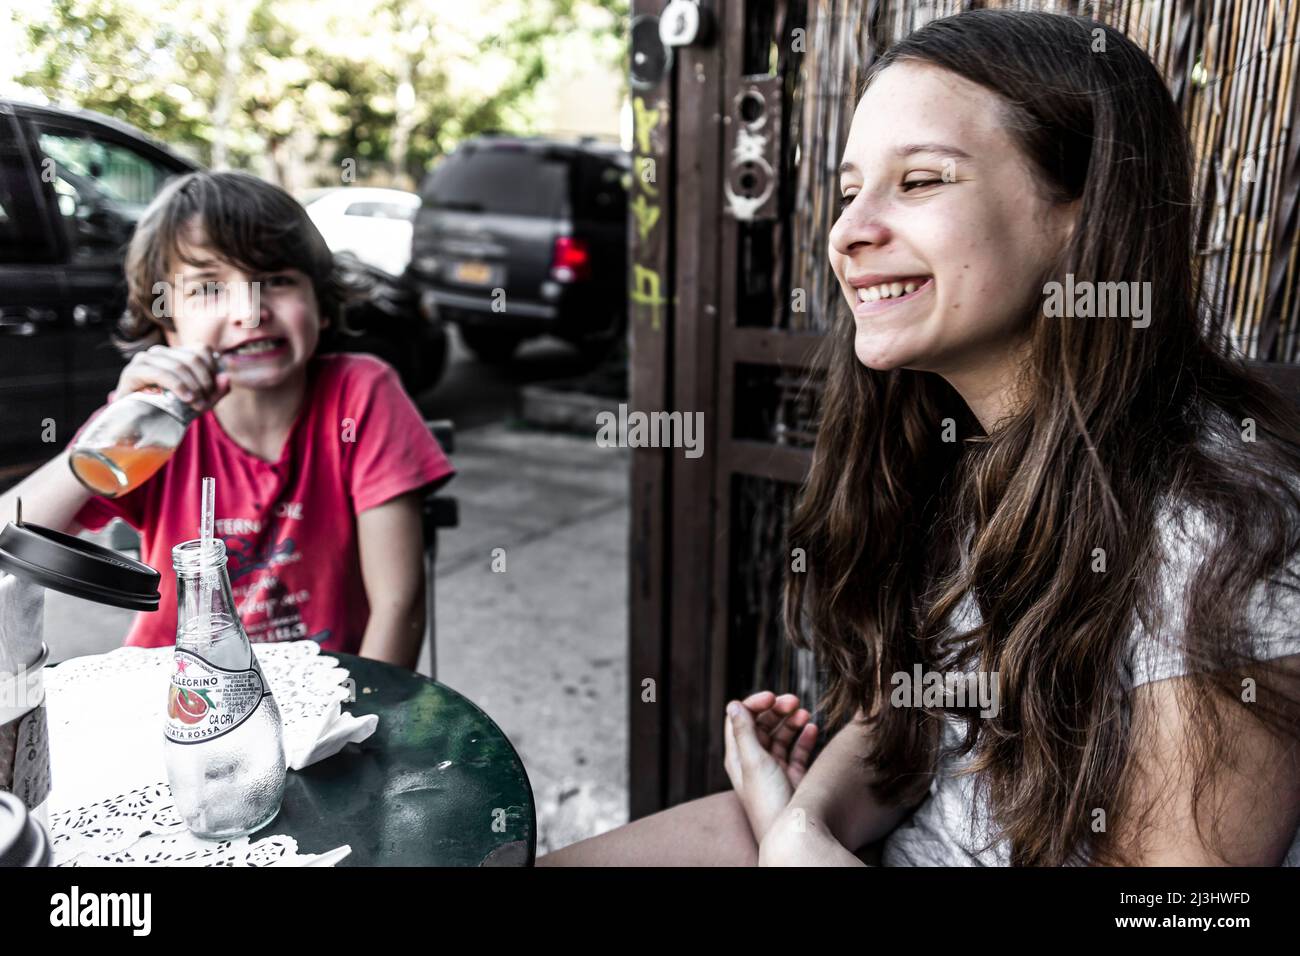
(206,701)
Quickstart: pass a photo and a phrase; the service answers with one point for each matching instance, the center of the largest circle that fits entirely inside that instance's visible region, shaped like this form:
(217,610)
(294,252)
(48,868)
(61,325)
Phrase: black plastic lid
(22,840)
(80,568)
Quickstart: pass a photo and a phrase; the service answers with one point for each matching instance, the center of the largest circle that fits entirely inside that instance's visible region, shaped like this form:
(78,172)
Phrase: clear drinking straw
(206,548)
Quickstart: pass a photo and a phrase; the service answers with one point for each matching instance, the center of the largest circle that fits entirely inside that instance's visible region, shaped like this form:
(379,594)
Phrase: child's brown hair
(248,221)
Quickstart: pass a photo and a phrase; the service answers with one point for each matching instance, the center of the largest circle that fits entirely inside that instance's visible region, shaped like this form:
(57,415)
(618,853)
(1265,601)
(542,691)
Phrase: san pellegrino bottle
(224,738)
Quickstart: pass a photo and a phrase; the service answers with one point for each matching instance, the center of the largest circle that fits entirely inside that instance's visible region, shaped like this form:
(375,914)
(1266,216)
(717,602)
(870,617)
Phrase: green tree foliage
(380,82)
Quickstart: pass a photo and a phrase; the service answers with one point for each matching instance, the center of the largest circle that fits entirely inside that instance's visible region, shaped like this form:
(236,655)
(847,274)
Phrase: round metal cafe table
(437,784)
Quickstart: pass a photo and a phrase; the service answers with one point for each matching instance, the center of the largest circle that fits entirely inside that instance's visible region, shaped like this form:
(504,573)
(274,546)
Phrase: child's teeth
(896,288)
(262,346)
(909,288)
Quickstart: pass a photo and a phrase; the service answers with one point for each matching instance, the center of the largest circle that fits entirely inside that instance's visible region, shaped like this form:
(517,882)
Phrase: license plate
(473,273)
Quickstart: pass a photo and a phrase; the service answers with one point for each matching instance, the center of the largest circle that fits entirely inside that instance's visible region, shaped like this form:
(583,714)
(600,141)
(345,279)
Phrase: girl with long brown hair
(1041,472)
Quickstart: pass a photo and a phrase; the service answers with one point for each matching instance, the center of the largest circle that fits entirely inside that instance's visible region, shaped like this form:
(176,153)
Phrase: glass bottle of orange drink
(129,440)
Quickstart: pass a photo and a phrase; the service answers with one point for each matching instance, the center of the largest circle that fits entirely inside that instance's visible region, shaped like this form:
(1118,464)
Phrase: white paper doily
(182,849)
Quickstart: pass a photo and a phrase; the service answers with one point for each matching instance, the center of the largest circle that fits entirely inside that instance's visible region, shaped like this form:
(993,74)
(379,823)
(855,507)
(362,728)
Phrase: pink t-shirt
(290,525)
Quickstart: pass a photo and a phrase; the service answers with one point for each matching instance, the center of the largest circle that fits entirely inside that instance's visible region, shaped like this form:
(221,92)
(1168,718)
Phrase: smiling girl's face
(264,341)
(938,199)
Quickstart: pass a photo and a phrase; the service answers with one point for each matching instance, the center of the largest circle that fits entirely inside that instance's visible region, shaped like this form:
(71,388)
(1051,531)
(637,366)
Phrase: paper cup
(24,737)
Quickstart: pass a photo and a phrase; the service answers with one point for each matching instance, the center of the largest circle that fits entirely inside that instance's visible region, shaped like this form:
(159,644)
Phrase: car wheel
(596,347)
(434,364)
(490,346)
(424,360)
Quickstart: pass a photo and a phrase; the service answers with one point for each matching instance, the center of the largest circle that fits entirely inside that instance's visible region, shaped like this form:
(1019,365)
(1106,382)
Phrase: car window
(101,189)
(22,235)
(379,210)
(602,194)
(496,180)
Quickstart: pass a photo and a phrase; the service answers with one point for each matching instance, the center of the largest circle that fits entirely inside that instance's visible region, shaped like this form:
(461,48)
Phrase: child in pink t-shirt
(320,462)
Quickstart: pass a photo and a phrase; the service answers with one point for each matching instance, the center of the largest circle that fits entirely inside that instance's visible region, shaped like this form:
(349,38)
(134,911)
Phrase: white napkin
(310,689)
(332,734)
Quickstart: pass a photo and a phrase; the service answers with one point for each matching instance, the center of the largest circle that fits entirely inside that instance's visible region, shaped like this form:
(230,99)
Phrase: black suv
(525,236)
(73,184)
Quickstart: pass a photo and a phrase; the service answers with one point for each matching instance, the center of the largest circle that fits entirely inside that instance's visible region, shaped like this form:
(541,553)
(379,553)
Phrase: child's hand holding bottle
(158,394)
(191,373)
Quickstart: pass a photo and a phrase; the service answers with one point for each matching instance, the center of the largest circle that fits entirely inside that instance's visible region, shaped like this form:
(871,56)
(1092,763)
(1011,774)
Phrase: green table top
(436,784)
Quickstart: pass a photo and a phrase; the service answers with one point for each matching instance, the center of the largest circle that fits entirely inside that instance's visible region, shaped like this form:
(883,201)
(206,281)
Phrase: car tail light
(571,261)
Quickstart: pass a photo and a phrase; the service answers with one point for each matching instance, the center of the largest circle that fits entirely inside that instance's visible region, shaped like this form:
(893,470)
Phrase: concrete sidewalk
(540,646)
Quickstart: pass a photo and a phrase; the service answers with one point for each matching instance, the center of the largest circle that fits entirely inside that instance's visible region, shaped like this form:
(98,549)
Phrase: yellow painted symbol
(645,291)
(645,122)
(646,216)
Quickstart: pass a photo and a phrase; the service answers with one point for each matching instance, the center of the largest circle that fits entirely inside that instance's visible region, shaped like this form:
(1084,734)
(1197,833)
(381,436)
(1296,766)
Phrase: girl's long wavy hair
(1113,427)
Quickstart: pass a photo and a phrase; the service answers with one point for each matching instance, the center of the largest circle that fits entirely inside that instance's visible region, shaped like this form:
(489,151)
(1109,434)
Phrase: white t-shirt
(951,828)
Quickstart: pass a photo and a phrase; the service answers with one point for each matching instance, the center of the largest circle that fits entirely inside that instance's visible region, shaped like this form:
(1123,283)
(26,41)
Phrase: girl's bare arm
(1250,808)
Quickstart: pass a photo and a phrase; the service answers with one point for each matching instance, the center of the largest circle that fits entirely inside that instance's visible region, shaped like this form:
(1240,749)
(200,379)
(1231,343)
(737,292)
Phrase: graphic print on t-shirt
(270,611)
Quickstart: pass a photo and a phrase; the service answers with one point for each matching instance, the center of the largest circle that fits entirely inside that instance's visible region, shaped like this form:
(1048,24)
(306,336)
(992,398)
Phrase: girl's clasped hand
(769,744)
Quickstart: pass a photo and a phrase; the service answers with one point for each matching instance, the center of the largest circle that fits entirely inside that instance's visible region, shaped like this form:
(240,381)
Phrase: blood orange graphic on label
(188,706)
(206,701)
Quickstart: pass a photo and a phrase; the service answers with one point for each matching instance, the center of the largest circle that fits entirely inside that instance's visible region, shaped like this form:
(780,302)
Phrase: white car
(373,223)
